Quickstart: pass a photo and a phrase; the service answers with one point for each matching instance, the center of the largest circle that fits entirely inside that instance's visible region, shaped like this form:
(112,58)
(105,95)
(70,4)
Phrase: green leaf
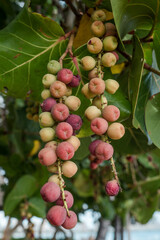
(143,209)
(37,207)
(83,150)
(135,78)
(27,44)
(133,142)
(83,185)
(130,15)
(24,188)
(152,117)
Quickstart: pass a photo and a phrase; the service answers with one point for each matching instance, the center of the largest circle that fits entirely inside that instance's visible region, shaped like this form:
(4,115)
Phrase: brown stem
(142,40)
(72,7)
(115,173)
(62,186)
(69,50)
(145,66)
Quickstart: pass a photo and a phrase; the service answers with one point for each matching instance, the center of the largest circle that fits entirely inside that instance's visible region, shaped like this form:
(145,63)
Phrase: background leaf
(130,15)
(24,188)
(152,118)
(26,44)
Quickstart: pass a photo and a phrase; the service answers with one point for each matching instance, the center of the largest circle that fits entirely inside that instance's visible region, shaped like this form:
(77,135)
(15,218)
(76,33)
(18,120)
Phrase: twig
(141,40)
(62,186)
(69,50)
(72,7)
(115,173)
(145,66)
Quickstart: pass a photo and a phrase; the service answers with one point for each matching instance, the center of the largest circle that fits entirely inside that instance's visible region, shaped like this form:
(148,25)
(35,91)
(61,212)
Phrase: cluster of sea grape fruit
(25,214)
(32,110)
(102,115)
(59,126)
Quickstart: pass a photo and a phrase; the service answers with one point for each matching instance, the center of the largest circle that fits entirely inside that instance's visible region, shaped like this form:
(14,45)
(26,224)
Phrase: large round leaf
(152,118)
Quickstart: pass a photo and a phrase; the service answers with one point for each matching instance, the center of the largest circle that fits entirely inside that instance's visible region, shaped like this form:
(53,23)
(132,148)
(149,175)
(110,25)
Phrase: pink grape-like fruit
(99,126)
(71,221)
(68,197)
(65,75)
(104,151)
(93,145)
(57,215)
(75,121)
(65,151)
(50,192)
(60,112)
(47,156)
(96,85)
(111,113)
(64,130)
(112,188)
(58,89)
(75,81)
(93,165)
(48,104)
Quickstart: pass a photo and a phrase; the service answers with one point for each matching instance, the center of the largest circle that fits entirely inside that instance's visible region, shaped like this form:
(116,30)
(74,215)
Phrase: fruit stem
(99,65)
(115,173)
(105,139)
(62,186)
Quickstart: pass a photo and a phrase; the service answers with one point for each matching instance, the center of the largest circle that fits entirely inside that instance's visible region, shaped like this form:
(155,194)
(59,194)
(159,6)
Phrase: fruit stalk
(61,186)
(115,173)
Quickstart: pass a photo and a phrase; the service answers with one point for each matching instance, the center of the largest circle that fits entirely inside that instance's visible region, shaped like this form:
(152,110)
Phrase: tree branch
(72,7)
(146,65)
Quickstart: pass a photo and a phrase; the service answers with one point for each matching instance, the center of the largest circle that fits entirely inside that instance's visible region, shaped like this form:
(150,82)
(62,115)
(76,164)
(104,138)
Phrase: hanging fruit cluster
(102,115)
(59,124)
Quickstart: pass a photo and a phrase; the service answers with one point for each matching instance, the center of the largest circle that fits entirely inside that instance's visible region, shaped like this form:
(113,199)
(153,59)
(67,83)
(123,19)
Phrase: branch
(145,66)
(141,40)
(72,7)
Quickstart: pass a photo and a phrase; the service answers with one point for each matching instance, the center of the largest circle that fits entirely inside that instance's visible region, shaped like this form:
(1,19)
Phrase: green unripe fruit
(109,59)
(45,94)
(53,66)
(94,45)
(52,168)
(111,86)
(48,79)
(47,134)
(88,63)
(87,93)
(116,131)
(110,43)
(73,103)
(99,15)
(46,120)
(98,28)
(92,112)
(68,91)
(55,178)
(100,102)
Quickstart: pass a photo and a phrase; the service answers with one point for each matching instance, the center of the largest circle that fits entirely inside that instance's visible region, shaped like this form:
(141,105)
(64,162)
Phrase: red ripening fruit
(75,81)
(69,199)
(47,104)
(64,130)
(116,55)
(65,75)
(97,86)
(71,221)
(75,121)
(112,188)
(104,151)
(50,192)
(60,112)
(99,126)
(65,150)
(111,113)
(93,145)
(93,165)
(56,215)
(47,156)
